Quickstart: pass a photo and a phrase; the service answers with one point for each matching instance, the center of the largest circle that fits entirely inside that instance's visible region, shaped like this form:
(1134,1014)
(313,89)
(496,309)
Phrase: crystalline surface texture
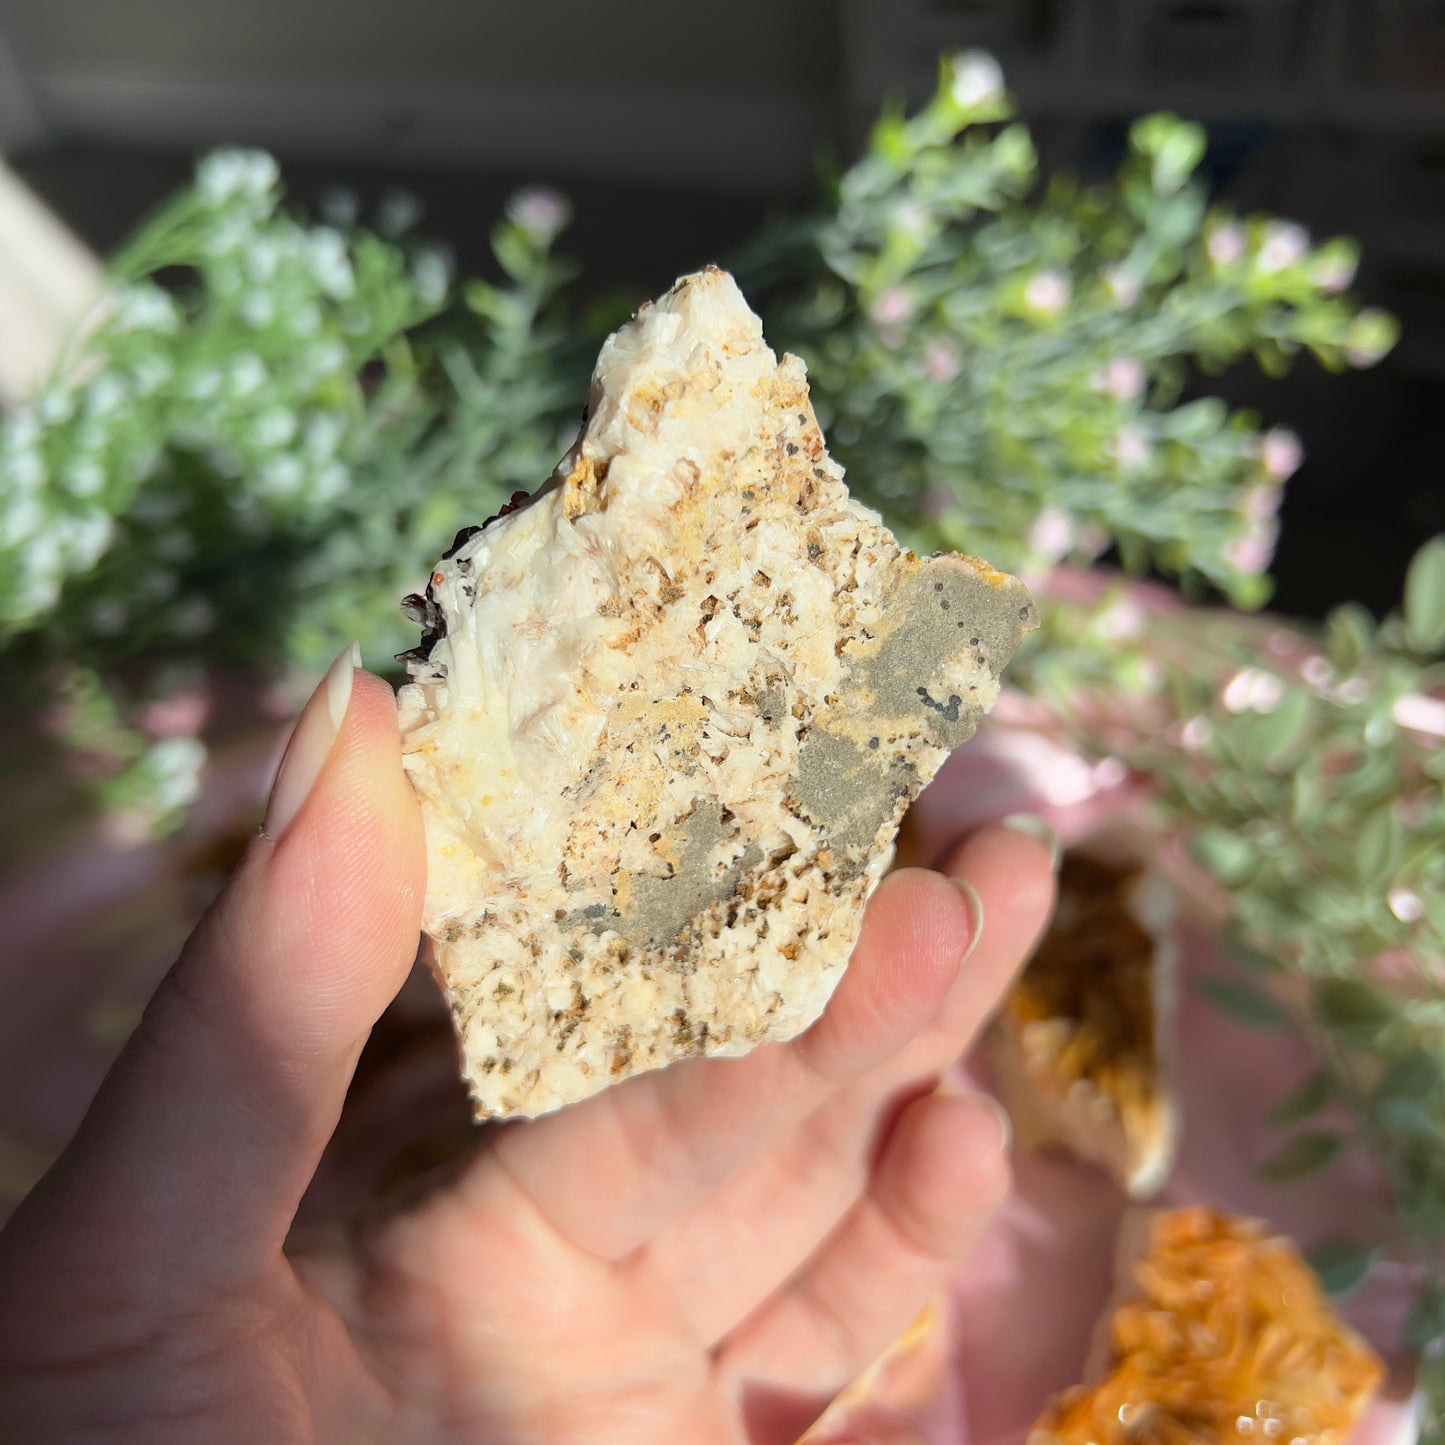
(667,715)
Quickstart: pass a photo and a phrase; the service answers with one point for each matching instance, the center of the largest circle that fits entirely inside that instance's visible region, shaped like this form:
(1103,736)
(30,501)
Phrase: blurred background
(677,129)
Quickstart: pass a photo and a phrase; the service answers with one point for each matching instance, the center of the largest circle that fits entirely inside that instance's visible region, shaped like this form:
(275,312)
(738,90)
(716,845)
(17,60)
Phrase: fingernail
(1037,828)
(949,1088)
(311,743)
(1002,1118)
(975,916)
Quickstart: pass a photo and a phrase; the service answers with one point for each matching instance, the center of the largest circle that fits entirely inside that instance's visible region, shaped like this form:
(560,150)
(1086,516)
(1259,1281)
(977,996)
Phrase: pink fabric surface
(1023,1310)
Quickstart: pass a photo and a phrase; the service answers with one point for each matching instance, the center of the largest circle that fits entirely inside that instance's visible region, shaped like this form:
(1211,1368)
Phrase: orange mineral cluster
(1222,1334)
(1078,1047)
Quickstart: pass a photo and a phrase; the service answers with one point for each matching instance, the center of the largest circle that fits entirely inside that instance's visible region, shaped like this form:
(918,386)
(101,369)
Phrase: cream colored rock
(667,715)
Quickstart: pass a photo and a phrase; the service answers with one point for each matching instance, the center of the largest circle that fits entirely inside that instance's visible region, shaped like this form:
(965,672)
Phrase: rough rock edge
(702,454)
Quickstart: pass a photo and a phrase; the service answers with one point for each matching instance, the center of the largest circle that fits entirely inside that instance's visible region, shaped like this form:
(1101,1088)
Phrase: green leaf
(1307,1153)
(1425,1324)
(1410,1119)
(1242,1002)
(1352,1005)
(1342,1265)
(1378,844)
(1307,1097)
(1279,735)
(1349,634)
(1425,597)
(1251,958)
(1224,853)
(1415,1074)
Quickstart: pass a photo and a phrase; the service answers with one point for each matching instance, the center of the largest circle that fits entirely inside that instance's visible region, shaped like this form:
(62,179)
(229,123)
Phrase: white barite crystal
(668,714)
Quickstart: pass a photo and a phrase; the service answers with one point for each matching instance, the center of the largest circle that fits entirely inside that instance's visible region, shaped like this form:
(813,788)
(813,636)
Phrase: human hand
(704,1254)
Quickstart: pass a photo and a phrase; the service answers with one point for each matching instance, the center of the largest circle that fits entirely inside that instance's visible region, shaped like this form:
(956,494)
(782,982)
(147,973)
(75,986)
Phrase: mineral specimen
(667,714)
(1080,1049)
(1220,1332)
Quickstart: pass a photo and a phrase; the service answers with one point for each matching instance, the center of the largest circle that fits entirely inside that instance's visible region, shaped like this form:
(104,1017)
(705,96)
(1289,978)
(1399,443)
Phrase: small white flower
(1252,552)
(1130,448)
(280,476)
(399,212)
(331,263)
(1123,284)
(1317,671)
(1281,452)
(248,375)
(105,395)
(1333,273)
(1378,731)
(328,359)
(1120,620)
(86,539)
(23,472)
(540,211)
(1048,292)
(304,320)
(891,307)
(323,436)
(55,406)
(147,308)
(21,519)
(340,207)
(258,310)
(1109,773)
(176,764)
(1252,690)
(38,580)
(1262,503)
(219,176)
(1121,377)
(1420,714)
(1284,245)
(149,374)
(1225,244)
(23,431)
(227,173)
(912,217)
(205,384)
(1405,904)
(1196,733)
(330,482)
(1352,690)
(977,80)
(232,238)
(1051,537)
(432,274)
(274,428)
(1369,338)
(941,362)
(83,479)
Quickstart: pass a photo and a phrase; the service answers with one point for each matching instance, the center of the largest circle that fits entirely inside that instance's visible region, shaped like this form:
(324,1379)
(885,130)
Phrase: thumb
(209,1127)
